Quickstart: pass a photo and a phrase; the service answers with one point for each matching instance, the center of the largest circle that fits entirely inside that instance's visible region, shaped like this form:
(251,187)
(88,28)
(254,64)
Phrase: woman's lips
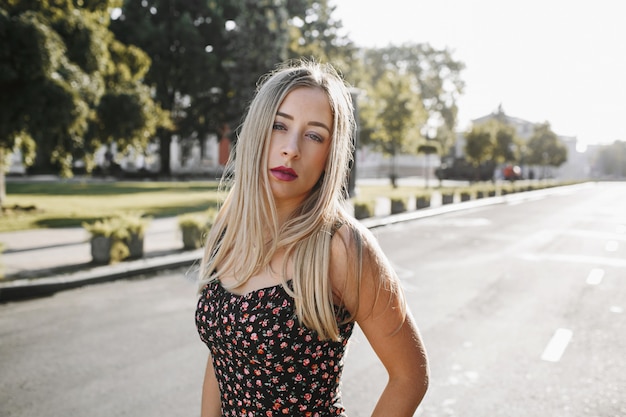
(284,173)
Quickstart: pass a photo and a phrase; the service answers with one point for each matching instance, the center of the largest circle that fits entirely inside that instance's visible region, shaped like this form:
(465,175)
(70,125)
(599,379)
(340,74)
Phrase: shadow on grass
(105,188)
(156,212)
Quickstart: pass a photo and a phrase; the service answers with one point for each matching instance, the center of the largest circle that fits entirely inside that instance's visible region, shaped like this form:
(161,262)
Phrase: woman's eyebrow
(311,123)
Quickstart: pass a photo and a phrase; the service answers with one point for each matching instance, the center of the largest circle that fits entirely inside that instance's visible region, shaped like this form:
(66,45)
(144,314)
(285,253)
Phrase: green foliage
(545,149)
(59,71)
(491,141)
(478,145)
(437,78)
(315,33)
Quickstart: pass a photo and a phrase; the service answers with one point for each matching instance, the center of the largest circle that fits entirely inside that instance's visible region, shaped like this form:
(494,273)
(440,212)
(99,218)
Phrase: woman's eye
(316,137)
(278,126)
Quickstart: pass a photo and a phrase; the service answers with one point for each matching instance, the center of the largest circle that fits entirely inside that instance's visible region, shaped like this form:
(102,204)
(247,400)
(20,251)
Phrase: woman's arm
(211,403)
(383,316)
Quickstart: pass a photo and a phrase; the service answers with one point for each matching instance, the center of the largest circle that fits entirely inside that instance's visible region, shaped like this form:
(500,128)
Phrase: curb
(21,289)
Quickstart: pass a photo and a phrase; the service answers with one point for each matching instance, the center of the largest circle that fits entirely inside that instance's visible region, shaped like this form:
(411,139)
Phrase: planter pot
(447,198)
(362,211)
(135,246)
(101,249)
(398,206)
(422,202)
(192,237)
(480,194)
(465,197)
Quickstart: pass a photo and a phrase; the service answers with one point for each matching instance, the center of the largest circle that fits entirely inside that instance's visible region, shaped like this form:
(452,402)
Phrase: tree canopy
(438,83)
(544,148)
(68,85)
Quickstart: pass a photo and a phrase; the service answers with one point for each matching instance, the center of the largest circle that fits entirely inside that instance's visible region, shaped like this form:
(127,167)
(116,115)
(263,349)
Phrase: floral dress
(266,364)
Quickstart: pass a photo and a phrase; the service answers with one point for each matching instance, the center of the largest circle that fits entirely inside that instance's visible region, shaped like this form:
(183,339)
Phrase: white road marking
(616,309)
(597,260)
(557,345)
(595,276)
(612,246)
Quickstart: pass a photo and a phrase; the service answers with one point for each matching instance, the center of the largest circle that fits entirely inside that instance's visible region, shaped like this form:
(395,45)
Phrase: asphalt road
(521,306)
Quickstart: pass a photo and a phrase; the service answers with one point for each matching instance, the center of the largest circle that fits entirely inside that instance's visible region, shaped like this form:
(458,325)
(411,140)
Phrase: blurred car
(512,172)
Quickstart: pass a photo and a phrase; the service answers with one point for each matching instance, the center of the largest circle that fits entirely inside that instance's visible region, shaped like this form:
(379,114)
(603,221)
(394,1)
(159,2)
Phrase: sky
(556,61)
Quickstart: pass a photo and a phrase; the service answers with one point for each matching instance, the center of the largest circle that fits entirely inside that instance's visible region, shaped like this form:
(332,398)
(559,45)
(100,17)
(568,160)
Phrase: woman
(287,272)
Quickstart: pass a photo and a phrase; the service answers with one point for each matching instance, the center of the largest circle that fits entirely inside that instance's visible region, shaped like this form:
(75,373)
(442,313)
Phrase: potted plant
(398,205)
(363,210)
(116,238)
(194,228)
(101,241)
(136,226)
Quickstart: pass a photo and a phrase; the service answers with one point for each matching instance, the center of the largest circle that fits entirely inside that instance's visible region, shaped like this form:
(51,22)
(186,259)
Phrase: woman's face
(299,145)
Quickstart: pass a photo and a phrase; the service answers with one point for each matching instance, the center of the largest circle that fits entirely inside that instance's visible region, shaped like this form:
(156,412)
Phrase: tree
(438,79)
(545,149)
(208,56)
(65,78)
(392,116)
(479,146)
(188,44)
(315,33)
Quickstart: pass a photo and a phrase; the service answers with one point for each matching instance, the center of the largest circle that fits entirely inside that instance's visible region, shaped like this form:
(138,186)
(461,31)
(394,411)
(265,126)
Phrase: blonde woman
(287,272)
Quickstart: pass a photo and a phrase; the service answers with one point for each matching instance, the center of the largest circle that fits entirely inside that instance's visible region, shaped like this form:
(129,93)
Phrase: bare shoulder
(357,263)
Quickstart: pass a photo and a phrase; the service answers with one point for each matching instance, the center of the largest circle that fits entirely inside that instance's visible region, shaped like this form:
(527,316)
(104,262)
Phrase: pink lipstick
(283,173)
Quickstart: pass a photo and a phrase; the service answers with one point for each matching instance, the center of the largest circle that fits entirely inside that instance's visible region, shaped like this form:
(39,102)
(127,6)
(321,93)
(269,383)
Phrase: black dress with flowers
(266,364)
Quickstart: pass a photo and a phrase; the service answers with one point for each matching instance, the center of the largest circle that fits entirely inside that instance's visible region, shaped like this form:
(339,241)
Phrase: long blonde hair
(246,233)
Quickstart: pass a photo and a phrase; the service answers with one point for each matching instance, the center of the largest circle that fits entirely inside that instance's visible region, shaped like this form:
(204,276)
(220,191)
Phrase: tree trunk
(165,154)
(3,190)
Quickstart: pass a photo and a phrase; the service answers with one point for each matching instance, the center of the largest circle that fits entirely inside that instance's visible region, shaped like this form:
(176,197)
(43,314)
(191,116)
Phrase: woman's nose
(291,147)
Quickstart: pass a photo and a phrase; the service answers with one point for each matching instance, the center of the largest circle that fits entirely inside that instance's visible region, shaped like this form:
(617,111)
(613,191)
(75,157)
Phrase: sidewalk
(43,261)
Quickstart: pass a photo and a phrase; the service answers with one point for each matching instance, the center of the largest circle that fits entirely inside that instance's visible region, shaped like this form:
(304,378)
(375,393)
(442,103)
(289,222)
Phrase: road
(521,306)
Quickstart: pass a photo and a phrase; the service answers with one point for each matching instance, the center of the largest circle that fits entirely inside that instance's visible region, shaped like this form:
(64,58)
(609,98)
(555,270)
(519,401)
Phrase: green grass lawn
(50,204)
